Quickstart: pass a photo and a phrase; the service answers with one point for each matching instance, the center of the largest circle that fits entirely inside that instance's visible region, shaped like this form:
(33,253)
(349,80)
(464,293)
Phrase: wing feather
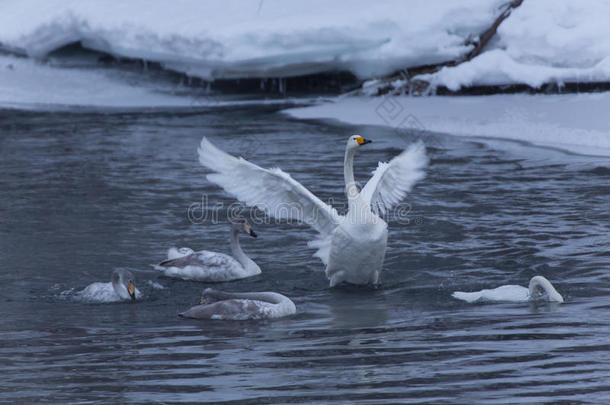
(270,190)
(392,181)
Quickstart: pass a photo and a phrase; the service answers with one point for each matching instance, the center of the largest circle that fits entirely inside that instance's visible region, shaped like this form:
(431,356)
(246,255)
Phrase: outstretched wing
(270,190)
(392,181)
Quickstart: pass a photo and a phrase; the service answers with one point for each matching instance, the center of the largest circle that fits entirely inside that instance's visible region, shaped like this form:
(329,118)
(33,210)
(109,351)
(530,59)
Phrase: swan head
(241,224)
(544,284)
(356,141)
(124,283)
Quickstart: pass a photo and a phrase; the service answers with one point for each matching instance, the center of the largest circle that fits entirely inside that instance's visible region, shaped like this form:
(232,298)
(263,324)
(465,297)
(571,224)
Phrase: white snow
(542,41)
(577,123)
(498,68)
(26,83)
(240,38)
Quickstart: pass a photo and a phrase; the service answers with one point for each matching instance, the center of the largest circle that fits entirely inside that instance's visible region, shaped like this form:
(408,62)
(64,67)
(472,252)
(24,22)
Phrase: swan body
(352,246)
(210,266)
(365,237)
(121,287)
(240,306)
(513,293)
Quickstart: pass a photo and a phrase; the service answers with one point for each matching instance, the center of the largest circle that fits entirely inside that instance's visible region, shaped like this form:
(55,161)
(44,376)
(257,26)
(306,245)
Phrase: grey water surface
(83,193)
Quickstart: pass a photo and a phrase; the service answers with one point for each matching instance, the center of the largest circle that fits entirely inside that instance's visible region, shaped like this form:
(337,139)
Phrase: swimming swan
(351,246)
(121,287)
(513,293)
(240,306)
(204,265)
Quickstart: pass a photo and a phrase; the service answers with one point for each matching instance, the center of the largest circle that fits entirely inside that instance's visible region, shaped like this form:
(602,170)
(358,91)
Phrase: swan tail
(322,244)
(468,296)
(175,253)
(173,257)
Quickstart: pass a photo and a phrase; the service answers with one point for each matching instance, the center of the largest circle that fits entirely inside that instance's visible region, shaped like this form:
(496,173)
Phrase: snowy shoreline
(541,42)
(575,123)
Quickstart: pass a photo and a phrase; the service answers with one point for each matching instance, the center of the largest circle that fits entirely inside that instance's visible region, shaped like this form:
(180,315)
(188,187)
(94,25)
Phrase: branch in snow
(406,81)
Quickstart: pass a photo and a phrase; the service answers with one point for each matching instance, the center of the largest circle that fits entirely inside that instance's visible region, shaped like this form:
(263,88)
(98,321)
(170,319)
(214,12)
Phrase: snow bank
(497,68)
(575,123)
(542,41)
(23,81)
(240,38)
(27,84)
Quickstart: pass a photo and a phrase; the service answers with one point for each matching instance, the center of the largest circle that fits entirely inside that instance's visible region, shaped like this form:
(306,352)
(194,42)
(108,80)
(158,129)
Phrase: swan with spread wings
(352,246)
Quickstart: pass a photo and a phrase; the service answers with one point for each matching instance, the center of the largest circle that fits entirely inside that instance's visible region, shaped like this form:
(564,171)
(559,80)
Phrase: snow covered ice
(576,123)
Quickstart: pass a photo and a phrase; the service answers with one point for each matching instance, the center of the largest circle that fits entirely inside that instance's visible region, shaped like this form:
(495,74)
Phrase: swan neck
(348,172)
(116,286)
(236,250)
(543,283)
(119,288)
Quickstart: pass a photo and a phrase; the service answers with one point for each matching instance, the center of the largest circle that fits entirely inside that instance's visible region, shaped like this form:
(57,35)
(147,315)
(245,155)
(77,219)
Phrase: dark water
(85,193)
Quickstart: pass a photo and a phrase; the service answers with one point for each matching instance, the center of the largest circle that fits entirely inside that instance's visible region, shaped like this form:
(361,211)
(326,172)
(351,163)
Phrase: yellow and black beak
(361,141)
(202,302)
(131,289)
(248,229)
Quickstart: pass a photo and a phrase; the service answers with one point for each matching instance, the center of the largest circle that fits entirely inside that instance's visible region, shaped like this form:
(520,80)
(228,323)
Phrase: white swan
(204,265)
(352,246)
(121,287)
(513,293)
(240,306)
